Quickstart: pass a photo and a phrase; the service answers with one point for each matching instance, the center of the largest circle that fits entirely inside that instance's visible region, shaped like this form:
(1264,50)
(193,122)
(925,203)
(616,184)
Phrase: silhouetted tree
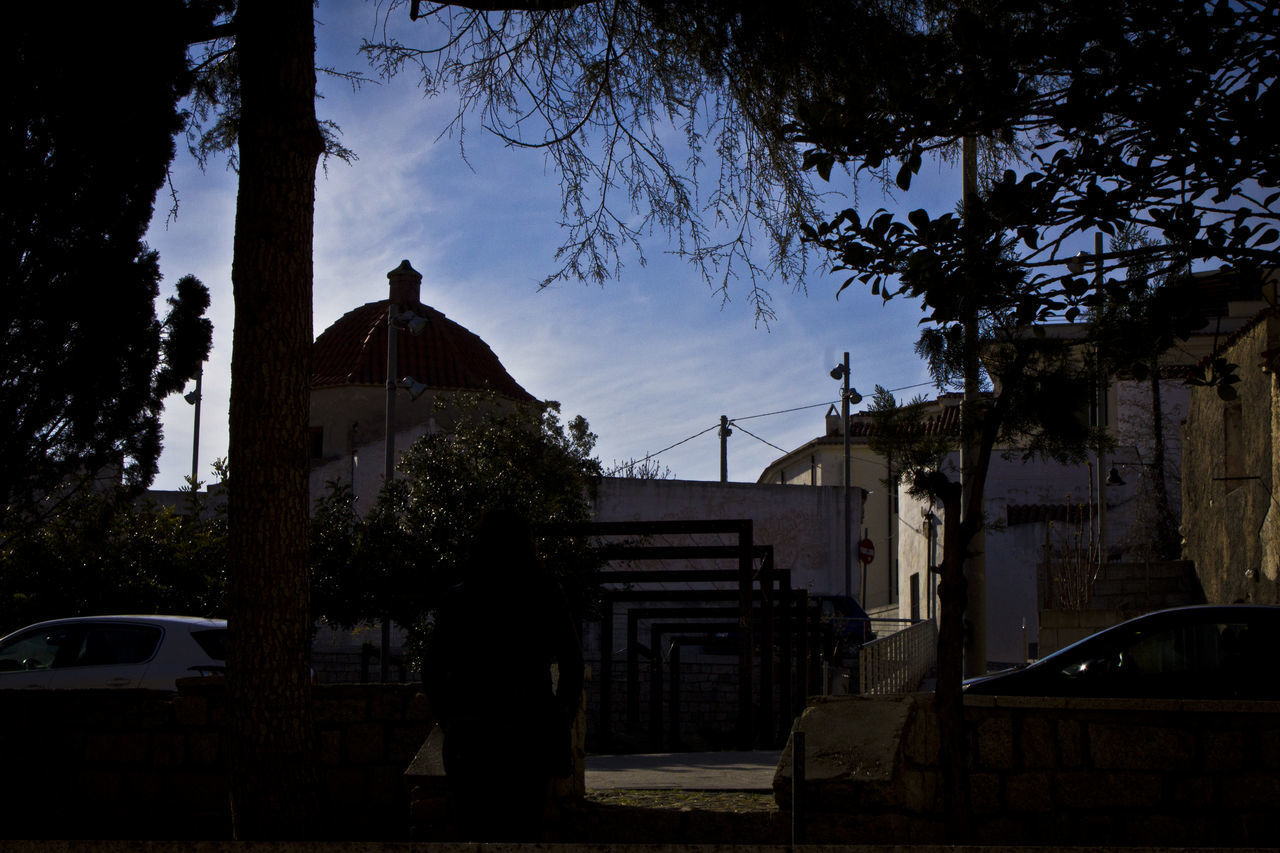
(1144,114)
(99,552)
(401,557)
(92,106)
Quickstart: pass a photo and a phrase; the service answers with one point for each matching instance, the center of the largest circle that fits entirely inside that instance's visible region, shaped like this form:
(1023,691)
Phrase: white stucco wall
(336,409)
(1013,554)
(365,469)
(824,466)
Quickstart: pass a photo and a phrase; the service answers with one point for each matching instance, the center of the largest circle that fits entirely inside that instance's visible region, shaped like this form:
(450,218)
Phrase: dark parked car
(1206,652)
(845,625)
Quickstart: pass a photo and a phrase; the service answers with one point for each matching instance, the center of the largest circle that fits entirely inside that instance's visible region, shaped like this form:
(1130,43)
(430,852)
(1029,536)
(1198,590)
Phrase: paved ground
(690,771)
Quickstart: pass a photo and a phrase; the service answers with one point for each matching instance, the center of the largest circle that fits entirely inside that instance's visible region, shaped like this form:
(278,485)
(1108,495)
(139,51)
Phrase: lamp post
(397,320)
(194,398)
(847,395)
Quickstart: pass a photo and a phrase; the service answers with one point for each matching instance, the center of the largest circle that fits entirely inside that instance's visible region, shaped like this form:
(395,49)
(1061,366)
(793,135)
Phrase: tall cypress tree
(85,363)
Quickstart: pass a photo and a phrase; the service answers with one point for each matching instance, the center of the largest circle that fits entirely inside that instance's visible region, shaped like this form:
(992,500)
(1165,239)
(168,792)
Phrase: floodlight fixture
(412,322)
(415,388)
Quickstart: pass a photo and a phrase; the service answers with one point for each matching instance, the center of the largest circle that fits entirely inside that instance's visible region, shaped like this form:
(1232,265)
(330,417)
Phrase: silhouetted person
(489,678)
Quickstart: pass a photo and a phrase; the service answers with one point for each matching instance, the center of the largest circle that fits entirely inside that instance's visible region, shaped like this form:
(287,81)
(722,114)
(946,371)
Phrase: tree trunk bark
(275,793)
(948,698)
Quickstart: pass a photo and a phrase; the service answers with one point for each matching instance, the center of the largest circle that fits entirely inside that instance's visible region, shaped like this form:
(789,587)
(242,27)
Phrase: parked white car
(149,652)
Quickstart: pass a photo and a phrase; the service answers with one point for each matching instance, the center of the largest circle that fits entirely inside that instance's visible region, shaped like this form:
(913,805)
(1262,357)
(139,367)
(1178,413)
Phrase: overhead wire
(759,439)
(733,421)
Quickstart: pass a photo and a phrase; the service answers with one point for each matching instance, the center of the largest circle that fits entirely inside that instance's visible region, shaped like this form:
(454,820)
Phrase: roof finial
(406,284)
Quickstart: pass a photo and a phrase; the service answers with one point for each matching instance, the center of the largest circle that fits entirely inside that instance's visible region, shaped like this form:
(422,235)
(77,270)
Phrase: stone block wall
(1061,628)
(1124,590)
(1231,473)
(142,764)
(1143,587)
(1046,771)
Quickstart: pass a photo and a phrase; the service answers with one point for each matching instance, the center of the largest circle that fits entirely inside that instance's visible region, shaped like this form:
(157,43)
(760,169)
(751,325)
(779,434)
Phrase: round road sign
(866,550)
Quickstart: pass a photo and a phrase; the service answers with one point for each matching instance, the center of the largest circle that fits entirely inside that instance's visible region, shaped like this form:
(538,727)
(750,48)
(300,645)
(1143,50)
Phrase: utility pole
(403,278)
(848,508)
(389,464)
(848,396)
(725,432)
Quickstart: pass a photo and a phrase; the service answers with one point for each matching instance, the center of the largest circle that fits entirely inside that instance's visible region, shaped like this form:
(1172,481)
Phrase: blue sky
(650,359)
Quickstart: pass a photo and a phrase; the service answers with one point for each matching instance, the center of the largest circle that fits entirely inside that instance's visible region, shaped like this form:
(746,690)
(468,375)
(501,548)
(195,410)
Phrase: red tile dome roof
(445,356)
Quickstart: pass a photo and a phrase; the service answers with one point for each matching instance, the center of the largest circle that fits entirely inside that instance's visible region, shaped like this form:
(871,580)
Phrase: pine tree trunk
(272,733)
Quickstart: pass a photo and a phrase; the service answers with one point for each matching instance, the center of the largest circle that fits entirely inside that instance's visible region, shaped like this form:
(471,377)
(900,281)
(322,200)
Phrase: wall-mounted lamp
(412,322)
(415,388)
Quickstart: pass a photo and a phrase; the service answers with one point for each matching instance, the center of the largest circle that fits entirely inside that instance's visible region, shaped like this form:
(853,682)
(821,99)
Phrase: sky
(651,359)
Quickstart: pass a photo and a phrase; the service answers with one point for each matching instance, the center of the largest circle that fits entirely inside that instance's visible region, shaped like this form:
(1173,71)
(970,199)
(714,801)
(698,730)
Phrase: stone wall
(1061,628)
(1231,474)
(1045,771)
(141,764)
(1124,590)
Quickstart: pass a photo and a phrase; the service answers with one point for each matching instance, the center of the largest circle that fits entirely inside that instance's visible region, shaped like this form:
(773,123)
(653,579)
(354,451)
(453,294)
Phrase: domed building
(349,399)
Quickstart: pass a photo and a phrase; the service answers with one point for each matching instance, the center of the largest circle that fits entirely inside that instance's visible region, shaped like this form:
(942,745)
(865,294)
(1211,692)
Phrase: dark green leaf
(904,177)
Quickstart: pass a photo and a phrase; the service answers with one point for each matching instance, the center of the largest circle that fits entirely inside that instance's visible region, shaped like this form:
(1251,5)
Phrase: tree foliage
(655,116)
(1144,114)
(92,109)
(101,553)
(400,558)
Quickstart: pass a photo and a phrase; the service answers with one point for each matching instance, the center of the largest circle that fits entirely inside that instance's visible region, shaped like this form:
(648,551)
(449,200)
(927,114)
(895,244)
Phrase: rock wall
(1231,473)
(1044,771)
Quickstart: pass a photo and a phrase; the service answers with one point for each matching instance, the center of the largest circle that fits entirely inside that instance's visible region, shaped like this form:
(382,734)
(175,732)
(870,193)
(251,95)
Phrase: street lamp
(194,397)
(847,395)
(397,320)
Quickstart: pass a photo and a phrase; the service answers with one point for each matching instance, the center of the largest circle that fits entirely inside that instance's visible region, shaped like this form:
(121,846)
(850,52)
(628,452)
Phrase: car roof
(1228,611)
(188,621)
